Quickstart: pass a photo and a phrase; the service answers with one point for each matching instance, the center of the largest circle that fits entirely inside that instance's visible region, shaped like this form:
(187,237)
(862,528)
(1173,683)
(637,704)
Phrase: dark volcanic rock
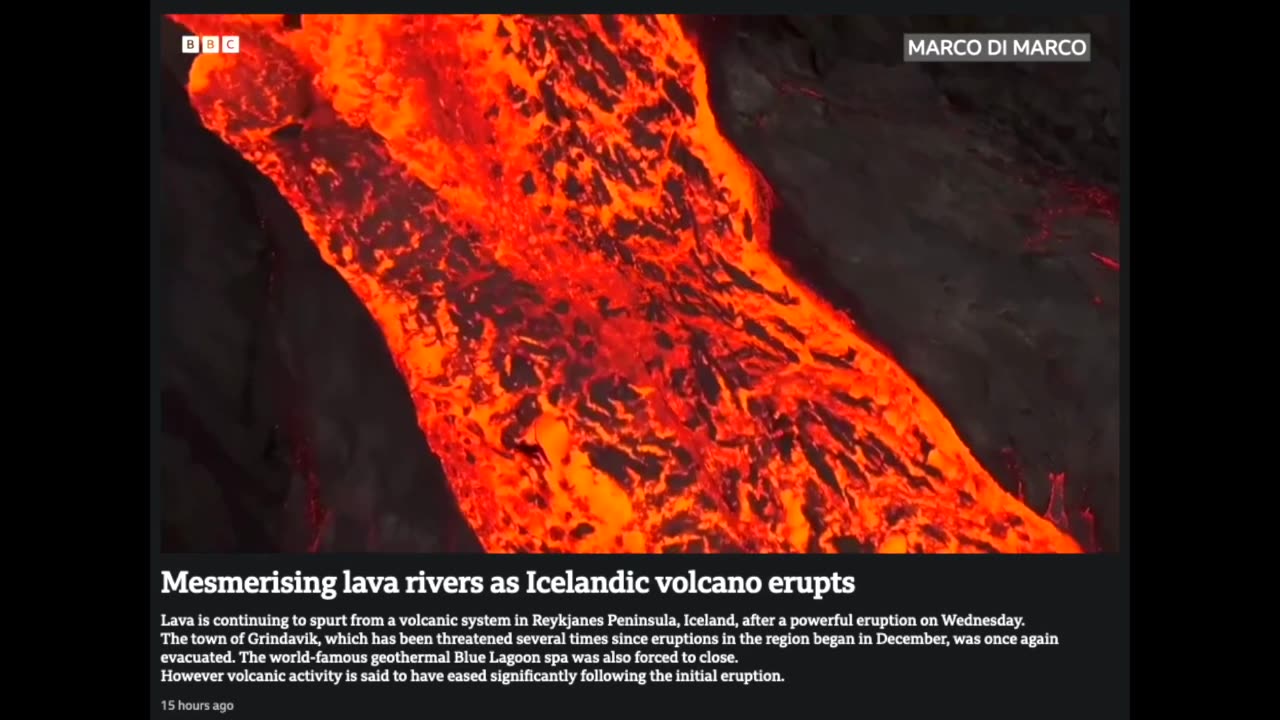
(1064,115)
(942,205)
(286,425)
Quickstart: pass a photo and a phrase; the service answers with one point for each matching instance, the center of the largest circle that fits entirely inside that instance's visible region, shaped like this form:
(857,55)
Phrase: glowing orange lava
(570,264)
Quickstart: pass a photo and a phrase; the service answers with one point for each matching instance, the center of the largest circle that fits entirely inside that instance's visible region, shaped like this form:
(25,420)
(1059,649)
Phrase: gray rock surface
(956,210)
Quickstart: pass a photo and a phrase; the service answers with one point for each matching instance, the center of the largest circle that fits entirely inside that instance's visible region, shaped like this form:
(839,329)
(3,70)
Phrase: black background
(1082,599)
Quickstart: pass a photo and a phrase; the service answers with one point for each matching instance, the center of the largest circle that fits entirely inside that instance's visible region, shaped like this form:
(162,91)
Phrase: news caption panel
(325,636)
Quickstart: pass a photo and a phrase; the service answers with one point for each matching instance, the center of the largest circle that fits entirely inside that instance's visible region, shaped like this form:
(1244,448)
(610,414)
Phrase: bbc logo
(192,45)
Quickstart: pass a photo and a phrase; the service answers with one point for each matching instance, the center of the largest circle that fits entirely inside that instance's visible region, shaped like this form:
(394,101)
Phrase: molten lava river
(570,265)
